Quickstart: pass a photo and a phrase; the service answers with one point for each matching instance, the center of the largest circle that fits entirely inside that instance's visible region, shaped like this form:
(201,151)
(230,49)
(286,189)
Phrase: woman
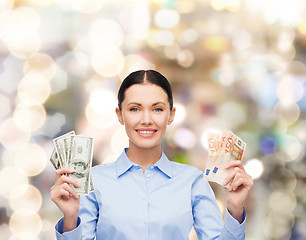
(143,195)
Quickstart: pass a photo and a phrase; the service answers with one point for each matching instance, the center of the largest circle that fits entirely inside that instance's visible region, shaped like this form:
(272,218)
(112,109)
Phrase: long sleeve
(208,222)
(87,221)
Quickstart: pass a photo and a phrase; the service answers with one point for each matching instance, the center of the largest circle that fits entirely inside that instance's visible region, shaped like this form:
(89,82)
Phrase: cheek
(162,121)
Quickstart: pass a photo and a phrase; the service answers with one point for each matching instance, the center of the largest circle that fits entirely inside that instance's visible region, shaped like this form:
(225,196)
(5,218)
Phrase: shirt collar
(123,164)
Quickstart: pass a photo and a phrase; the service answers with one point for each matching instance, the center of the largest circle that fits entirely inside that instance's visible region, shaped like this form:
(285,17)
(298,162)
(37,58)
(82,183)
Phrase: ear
(119,115)
(171,117)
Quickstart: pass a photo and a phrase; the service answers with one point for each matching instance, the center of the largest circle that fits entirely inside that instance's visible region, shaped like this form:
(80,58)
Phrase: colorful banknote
(222,148)
(75,152)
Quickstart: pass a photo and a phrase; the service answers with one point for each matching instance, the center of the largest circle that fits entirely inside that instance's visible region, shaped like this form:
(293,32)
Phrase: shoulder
(106,169)
(186,170)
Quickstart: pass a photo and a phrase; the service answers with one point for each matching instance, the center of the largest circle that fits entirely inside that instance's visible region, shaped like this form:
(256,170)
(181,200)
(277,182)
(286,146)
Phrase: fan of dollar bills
(75,152)
(222,148)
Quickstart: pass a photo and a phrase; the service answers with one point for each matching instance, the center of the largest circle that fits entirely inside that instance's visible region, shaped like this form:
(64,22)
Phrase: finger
(241,179)
(71,191)
(67,179)
(63,190)
(231,175)
(232,164)
(62,171)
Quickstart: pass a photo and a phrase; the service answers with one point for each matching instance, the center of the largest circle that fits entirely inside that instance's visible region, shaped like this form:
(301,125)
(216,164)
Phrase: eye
(158,109)
(134,109)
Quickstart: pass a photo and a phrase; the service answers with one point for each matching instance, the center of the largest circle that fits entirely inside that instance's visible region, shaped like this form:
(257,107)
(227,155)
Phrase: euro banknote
(222,148)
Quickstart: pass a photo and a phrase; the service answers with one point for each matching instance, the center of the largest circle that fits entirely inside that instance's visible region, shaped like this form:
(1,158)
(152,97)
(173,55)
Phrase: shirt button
(148,175)
(152,167)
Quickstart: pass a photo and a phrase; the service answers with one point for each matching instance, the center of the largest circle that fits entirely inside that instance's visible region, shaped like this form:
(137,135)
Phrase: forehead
(145,93)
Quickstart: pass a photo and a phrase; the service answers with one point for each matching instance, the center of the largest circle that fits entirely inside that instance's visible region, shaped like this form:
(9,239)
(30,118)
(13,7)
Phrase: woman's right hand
(65,197)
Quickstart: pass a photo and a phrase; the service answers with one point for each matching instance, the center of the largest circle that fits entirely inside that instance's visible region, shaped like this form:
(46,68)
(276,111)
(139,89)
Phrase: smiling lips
(146,133)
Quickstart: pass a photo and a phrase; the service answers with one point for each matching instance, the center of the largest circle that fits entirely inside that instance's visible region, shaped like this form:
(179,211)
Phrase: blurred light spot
(135,19)
(103,101)
(6,6)
(25,224)
(101,121)
(188,36)
(226,72)
(180,113)
(267,145)
(41,2)
(185,6)
(108,61)
(254,168)
(119,141)
(220,5)
(184,138)
(280,200)
(292,147)
(166,18)
(5,106)
(42,63)
(110,158)
(134,63)
(31,158)
(88,6)
(302,27)
(185,58)
(278,225)
(290,113)
(11,136)
(162,37)
(204,136)
(59,82)
(172,51)
(242,40)
(100,111)
(285,39)
(30,199)
(216,44)
(10,178)
(34,88)
(289,91)
(19,32)
(233,113)
(29,117)
(105,32)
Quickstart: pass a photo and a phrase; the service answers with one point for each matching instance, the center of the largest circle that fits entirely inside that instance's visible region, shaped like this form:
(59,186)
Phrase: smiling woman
(143,195)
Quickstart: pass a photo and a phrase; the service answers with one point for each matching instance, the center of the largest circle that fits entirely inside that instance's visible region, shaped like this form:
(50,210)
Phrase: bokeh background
(233,64)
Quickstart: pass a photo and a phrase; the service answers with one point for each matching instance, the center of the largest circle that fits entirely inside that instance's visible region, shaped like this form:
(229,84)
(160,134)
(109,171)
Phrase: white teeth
(146,132)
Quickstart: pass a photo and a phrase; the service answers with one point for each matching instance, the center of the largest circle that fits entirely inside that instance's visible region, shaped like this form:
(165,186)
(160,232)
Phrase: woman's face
(145,112)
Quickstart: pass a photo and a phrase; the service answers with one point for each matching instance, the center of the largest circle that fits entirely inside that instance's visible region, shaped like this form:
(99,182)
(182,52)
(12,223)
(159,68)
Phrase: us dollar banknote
(75,152)
(222,148)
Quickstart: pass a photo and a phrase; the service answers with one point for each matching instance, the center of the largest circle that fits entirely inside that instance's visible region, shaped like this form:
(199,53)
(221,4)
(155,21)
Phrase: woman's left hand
(238,190)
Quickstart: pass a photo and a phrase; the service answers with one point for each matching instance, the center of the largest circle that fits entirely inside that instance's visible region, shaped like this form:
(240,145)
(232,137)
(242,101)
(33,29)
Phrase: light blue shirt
(161,204)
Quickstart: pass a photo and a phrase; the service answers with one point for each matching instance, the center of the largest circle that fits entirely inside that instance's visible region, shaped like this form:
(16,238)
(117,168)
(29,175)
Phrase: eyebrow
(138,104)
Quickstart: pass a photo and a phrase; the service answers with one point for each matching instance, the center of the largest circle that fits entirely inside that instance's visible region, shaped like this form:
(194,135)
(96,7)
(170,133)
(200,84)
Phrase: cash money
(62,148)
(75,152)
(81,148)
(222,149)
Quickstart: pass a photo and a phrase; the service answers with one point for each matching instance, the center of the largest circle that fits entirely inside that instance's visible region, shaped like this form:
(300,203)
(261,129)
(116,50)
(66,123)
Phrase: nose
(146,118)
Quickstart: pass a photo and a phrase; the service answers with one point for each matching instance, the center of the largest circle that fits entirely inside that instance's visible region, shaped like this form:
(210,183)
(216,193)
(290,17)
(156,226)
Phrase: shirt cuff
(74,234)
(233,226)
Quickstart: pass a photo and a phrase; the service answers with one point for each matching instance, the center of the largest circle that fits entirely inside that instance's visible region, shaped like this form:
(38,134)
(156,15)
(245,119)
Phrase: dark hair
(145,76)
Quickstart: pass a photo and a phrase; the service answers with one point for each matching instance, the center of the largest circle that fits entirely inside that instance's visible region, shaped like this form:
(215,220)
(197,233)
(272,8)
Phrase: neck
(144,156)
